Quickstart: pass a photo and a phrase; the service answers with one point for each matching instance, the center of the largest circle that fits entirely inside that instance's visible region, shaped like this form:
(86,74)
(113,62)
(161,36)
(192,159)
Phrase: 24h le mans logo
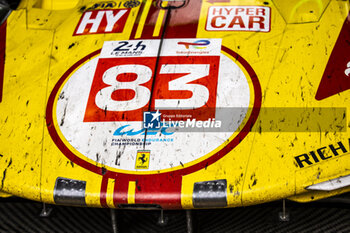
(117,86)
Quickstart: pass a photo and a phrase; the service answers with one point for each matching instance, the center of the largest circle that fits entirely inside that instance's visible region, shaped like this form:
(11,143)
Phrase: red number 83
(121,88)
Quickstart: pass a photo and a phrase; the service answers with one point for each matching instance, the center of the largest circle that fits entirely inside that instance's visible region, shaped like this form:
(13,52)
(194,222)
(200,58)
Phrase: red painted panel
(94,113)
(148,28)
(209,82)
(336,77)
(137,21)
(2,56)
(183,22)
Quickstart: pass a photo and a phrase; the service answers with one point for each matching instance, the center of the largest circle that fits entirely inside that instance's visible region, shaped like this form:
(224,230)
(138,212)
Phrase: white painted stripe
(331,185)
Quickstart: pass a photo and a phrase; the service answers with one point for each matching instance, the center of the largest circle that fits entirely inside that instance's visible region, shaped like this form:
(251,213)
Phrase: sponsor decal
(239,18)
(335,78)
(103,105)
(102,5)
(142,159)
(137,142)
(199,44)
(321,154)
(128,49)
(131,4)
(347,70)
(129,130)
(102,21)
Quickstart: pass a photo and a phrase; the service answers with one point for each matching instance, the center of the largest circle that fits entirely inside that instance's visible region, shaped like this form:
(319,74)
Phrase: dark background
(19,215)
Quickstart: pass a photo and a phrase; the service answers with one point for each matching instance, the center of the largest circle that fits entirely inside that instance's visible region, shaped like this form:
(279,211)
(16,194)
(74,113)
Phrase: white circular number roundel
(105,106)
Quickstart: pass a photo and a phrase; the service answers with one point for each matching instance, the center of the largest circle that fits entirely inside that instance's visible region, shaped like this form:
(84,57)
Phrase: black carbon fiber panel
(17,215)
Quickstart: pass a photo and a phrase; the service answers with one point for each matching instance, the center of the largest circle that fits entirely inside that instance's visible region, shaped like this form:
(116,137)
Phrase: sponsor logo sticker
(239,18)
(102,5)
(199,44)
(102,21)
(142,159)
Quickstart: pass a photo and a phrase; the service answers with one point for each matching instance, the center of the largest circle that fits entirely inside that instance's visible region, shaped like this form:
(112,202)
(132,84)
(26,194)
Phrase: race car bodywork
(175,104)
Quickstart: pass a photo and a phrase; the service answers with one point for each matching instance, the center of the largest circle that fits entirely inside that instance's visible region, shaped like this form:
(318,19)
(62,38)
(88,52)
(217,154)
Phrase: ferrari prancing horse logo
(142,159)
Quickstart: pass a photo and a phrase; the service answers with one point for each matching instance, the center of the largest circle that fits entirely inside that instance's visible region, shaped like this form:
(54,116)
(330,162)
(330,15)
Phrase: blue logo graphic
(151,120)
(127,130)
(199,44)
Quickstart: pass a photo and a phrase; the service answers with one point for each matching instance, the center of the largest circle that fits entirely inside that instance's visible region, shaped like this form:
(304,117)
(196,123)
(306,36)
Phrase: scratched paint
(126,137)
(288,60)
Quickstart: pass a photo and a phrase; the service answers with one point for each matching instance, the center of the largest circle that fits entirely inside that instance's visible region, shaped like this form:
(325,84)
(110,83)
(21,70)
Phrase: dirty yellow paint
(304,11)
(143,20)
(5,195)
(160,20)
(289,62)
(56,4)
(317,195)
(22,108)
(110,192)
(131,192)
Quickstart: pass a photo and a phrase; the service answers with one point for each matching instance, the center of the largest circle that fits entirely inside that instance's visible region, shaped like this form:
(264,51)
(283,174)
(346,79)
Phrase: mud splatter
(4,174)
